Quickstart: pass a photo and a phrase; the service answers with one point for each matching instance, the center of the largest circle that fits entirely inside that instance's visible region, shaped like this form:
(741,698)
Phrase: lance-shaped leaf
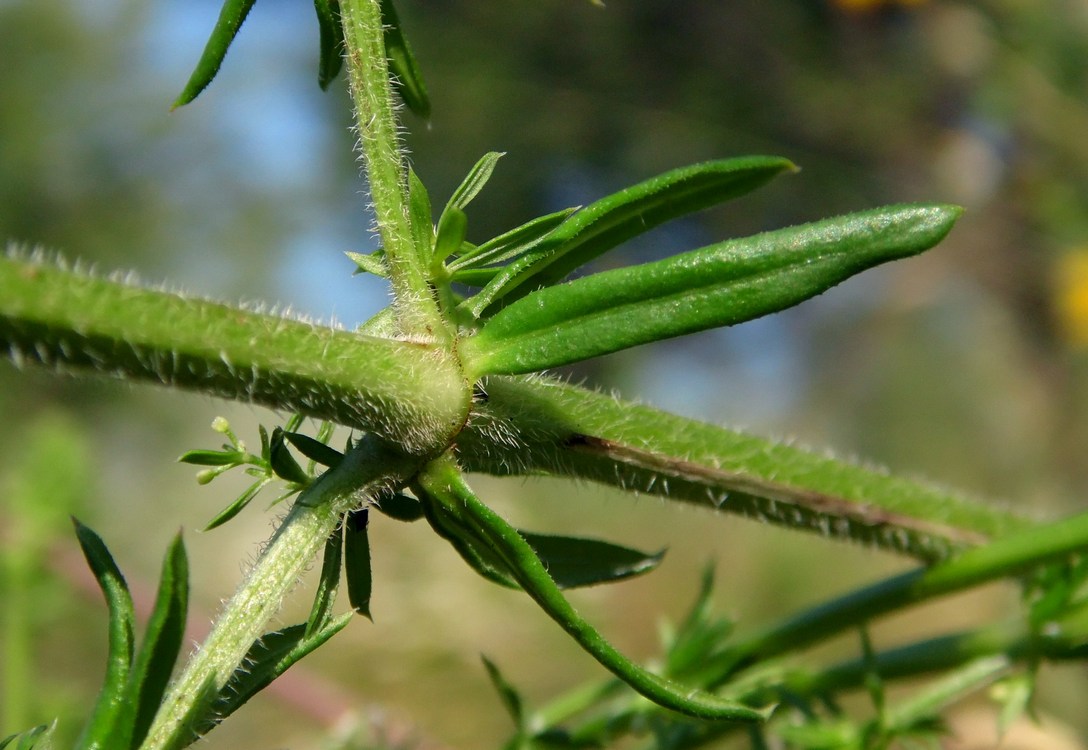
(575,562)
(328,582)
(357,561)
(159,651)
(283,463)
(508,694)
(452,227)
(314,450)
(231,16)
(508,245)
(571,562)
(400,507)
(407,77)
(474,181)
(332,41)
(111,706)
(419,218)
(720,285)
(606,223)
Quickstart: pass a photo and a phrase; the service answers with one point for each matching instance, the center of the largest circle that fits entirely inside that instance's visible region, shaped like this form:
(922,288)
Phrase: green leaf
(574,562)
(237,506)
(452,228)
(163,639)
(407,78)
(40,737)
(720,285)
(508,245)
(612,220)
(357,561)
(283,463)
(474,181)
(231,16)
(400,507)
(269,658)
(699,636)
(212,458)
(111,708)
(420,219)
(475,277)
(328,582)
(314,450)
(509,696)
(332,41)
(372,263)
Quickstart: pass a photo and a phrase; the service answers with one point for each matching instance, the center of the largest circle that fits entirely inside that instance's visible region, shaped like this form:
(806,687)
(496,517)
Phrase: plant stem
(370,467)
(533,425)
(71,321)
(372,92)
(1005,557)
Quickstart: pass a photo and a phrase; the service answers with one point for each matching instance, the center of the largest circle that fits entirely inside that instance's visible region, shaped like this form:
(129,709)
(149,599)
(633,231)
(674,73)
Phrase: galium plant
(448,382)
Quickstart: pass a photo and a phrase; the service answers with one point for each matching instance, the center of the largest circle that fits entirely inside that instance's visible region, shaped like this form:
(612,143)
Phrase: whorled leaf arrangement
(445,382)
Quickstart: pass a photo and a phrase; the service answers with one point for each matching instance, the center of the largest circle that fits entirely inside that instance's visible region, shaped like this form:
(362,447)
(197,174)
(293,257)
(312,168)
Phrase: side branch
(534,425)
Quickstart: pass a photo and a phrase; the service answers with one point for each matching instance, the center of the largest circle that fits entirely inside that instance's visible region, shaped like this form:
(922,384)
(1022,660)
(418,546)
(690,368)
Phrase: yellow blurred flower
(1071,296)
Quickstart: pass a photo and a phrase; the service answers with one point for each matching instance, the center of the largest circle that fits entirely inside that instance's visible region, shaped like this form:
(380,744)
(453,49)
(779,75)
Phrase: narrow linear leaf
(452,228)
(283,463)
(612,220)
(509,245)
(163,639)
(372,263)
(237,506)
(407,77)
(231,16)
(400,507)
(720,285)
(212,458)
(575,562)
(420,219)
(111,709)
(332,41)
(357,561)
(314,450)
(475,277)
(571,562)
(328,583)
(474,181)
(508,694)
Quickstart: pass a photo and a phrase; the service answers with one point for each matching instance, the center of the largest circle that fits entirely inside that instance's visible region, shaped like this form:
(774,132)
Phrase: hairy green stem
(369,468)
(72,321)
(1005,557)
(533,425)
(371,90)
(444,489)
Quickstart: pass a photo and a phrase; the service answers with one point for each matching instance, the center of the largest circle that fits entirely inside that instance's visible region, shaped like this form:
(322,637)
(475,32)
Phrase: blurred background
(966,366)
